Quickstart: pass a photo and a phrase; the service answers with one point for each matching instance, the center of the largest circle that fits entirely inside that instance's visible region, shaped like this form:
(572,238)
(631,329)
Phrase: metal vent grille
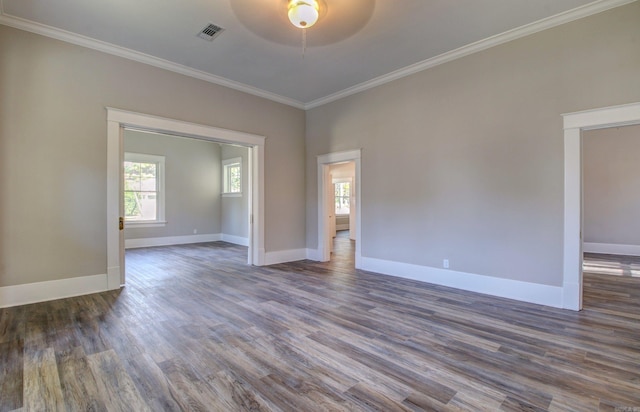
(210,32)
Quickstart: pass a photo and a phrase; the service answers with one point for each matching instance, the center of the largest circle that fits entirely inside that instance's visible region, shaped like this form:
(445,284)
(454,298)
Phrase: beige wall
(53,150)
(192,184)
(235,209)
(611,179)
(467,157)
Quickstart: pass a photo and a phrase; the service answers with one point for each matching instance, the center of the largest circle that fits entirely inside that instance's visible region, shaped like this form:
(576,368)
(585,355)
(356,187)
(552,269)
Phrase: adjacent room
(319,205)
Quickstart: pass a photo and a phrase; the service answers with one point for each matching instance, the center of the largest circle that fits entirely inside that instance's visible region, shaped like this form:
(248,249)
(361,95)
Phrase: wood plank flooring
(197,329)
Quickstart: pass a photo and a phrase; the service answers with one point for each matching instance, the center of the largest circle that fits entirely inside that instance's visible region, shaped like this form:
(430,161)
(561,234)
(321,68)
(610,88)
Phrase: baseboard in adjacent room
(236,240)
(611,249)
(171,240)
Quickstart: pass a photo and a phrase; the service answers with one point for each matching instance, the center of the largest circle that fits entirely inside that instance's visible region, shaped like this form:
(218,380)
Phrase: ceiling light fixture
(303,13)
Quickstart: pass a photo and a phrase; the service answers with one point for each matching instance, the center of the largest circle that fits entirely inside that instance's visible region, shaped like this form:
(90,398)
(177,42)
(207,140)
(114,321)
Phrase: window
(343,193)
(232,177)
(144,189)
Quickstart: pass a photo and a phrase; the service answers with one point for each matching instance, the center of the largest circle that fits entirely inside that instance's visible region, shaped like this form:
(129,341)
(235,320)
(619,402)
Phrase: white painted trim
(118,119)
(171,240)
(505,288)
(612,249)
(313,254)
(236,240)
(514,34)
(595,7)
(573,124)
(283,256)
(54,289)
(323,252)
(140,57)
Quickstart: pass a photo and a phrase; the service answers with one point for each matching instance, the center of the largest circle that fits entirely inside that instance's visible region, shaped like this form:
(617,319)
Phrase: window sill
(135,225)
(232,195)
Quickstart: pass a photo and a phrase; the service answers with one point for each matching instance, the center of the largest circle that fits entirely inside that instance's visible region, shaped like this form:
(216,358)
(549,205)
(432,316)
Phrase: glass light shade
(303,13)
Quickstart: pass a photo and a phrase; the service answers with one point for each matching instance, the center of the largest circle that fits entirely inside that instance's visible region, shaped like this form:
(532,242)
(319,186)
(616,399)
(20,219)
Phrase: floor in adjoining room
(197,329)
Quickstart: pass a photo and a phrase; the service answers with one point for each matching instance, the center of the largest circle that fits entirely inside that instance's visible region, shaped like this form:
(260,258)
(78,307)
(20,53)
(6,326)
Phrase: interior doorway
(180,190)
(349,163)
(574,125)
(117,121)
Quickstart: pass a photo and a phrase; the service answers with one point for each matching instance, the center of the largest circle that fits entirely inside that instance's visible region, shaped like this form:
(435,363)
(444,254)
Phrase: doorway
(117,120)
(574,125)
(326,203)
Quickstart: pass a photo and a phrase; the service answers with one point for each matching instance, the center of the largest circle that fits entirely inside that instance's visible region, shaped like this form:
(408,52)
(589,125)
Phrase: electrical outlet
(445,263)
(195,231)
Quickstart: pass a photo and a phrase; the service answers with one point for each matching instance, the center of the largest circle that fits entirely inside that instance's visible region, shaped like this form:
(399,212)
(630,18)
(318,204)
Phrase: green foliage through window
(140,190)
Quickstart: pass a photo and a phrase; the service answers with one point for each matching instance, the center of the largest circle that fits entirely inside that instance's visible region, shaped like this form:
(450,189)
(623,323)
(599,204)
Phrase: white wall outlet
(445,263)
(195,231)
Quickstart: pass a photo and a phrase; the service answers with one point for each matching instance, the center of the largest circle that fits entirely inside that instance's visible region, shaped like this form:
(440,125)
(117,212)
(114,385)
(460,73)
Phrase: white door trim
(118,119)
(574,124)
(324,248)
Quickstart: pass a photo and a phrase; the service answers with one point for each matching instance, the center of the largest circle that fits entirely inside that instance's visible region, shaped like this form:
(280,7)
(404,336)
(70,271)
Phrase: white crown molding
(535,27)
(587,10)
(77,39)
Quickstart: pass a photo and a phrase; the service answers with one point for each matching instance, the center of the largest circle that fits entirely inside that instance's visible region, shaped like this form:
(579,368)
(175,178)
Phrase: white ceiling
(355,43)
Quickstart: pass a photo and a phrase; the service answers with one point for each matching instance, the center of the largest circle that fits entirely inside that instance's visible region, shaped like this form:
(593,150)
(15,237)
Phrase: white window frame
(225,176)
(160,189)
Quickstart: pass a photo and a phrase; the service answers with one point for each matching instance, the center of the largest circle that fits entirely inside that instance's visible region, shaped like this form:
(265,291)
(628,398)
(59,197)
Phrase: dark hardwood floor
(197,329)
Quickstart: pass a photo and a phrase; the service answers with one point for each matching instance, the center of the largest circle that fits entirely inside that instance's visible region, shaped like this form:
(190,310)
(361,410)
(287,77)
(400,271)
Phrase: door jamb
(324,252)
(574,124)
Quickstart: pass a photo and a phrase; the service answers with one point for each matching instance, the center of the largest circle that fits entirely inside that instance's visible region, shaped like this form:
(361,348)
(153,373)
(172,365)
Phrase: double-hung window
(342,198)
(232,177)
(144,189)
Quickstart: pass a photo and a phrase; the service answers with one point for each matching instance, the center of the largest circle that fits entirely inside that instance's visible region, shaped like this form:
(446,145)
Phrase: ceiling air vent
(210,32)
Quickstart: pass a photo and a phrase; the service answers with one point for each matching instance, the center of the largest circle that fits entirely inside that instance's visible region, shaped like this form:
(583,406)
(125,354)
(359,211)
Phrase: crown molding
(587,10)
(535,27)
(77,39)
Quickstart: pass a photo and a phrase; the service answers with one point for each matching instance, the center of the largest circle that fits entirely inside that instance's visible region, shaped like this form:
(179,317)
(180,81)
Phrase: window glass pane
(342,199)
(232,178)
(131,176)
(140,196)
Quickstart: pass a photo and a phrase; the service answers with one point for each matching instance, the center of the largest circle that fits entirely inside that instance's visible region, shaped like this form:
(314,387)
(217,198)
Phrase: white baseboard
(313,254)
(171,240)
(237,240)
(282,256)
(51,290)
(611,249)
(506,288)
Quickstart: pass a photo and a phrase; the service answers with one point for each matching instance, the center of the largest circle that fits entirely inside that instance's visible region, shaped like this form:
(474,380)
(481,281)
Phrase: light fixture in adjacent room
(303,13)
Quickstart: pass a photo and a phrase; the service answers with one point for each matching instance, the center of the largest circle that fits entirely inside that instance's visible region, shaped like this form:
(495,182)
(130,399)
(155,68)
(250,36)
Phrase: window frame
(160,189)
(226,165)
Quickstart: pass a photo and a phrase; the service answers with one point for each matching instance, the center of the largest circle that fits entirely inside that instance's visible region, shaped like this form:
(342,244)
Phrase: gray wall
(611,179)
(235,209)
(192,184)
(53,143)
(468,156)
